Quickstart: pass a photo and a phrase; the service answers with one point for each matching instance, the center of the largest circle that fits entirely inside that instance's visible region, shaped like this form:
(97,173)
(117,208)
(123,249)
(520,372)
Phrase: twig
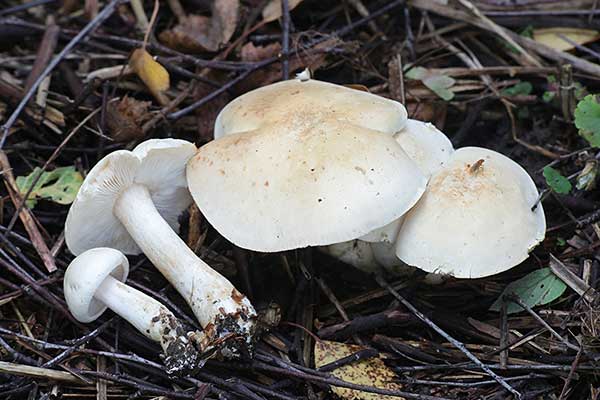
(446,336)
(21,205)
(520,302)
(93,24)
(25,215)
(285,39)
(36,372)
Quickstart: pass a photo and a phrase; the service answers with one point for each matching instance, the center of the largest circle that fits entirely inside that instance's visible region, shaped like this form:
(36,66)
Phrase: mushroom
(475,219)
(94,281)
(429,148)
(357,253)
(304,163)
(130,201)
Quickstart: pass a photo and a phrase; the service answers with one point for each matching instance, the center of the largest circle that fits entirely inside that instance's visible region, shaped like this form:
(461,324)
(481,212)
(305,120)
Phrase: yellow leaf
(368,372)
(154,75)
(272,10)
(562,39)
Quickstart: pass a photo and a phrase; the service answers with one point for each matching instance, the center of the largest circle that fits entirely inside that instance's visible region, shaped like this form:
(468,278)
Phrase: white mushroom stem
(213,299)
(148,316)
(153,320)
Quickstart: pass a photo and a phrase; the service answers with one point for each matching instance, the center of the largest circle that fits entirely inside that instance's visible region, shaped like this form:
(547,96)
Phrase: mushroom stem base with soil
(228,318)
(153,320)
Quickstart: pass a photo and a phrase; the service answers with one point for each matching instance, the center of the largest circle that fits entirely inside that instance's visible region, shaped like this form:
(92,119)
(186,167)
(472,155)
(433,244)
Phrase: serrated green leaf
(556,181)
(440,85)
(519,89)
(60,185)
(534,289)
(587,119)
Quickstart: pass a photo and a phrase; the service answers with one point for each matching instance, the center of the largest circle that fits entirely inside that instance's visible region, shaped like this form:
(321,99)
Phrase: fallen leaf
(272,10)
(555,37)
(252,53)
(439,84)
(534,289)
(358,86)
(369,372)
(587,119)
(519,89)
(60,185)
(586,180)
(556,181)
(125,118)
(197,33)
(312,60)
(154,75)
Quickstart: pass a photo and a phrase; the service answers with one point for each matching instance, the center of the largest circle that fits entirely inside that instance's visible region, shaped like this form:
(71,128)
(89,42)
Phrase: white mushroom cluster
(293,164)
(307,163)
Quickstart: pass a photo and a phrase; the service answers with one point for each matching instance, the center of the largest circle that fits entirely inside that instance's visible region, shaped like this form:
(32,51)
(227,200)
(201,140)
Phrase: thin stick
(449,338)
(285,39)
(99,19)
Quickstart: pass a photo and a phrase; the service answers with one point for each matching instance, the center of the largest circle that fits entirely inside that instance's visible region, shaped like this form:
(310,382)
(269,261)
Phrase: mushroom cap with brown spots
(475,218)
(297,176)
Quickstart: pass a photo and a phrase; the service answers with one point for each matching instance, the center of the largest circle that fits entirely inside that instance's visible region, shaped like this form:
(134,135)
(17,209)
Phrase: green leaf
(548,96)
(534,289)
(556,181)
(587,119)
(440,85)
(416,73)
(60,185)
(527,32)
(561,242)
(519,89)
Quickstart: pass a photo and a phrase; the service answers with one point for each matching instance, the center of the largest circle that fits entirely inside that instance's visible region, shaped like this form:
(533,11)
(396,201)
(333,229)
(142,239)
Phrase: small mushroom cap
(426,145)
(474,219)
(300,103)
(85,274)
(159,164)
(430,149)
(288,186)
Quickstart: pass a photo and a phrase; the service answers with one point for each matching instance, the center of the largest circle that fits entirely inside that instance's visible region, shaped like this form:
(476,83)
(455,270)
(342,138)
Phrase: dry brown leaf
(555,37)
(370,372)
(358,86)
(272,10)
(197,33)
(125,118)
(252,53)
(154,75)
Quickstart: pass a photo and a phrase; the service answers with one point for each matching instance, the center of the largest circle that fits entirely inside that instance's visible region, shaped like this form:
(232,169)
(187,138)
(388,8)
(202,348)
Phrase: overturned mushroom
(475,219)
(304,163)
(130,201)
(93,282)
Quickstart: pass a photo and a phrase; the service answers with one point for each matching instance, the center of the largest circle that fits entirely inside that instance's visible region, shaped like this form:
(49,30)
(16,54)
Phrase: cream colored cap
(304,163)
(475,218)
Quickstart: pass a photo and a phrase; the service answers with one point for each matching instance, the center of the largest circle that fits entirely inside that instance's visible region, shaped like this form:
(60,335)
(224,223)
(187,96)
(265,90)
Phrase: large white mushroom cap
(159,164)
(429,148)
(475,218)
(314,164)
